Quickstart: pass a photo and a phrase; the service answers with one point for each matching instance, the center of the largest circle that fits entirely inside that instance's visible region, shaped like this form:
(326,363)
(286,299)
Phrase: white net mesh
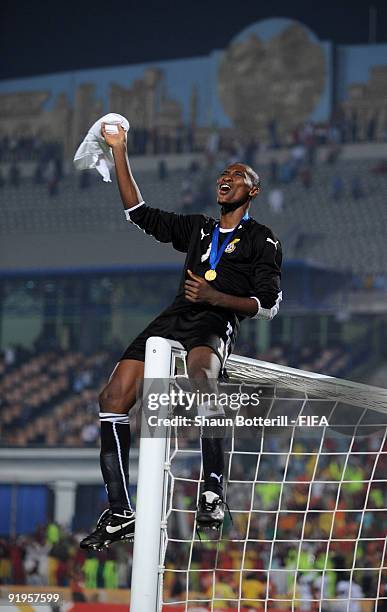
(308,504)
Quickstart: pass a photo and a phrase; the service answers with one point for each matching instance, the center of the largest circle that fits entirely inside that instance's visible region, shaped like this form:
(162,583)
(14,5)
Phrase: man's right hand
(130,193)
(114,140)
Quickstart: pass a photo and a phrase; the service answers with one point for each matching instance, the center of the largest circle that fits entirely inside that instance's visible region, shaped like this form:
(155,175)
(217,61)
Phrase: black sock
(114,459)
(213,464)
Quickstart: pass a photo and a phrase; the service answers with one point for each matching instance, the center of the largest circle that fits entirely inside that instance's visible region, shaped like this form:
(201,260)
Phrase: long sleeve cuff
(267,313)
(127,211)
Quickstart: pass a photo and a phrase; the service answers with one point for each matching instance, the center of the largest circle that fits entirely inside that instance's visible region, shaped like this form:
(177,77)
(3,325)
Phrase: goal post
(147,568)
(260,481)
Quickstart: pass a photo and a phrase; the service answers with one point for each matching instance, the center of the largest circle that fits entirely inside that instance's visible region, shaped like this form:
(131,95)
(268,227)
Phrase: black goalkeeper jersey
(249,267)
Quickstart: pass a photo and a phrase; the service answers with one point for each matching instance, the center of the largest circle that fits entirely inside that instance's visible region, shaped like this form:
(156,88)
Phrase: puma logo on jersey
(272,241)
(218,478)
(111,529)
(230,248)
(203,234)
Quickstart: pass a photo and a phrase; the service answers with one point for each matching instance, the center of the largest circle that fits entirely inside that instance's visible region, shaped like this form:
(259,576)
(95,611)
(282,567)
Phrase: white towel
(93,152)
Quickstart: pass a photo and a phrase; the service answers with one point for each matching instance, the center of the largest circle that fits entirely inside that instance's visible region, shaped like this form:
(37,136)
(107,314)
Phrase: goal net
(305,486)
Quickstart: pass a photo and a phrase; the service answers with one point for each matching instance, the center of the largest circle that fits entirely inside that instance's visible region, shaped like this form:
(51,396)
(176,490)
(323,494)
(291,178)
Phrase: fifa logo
(230,248)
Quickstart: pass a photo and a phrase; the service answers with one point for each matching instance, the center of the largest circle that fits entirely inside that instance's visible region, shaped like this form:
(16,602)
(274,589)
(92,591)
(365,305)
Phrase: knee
(113,400)
(202,377)
(198,370)
(203,368)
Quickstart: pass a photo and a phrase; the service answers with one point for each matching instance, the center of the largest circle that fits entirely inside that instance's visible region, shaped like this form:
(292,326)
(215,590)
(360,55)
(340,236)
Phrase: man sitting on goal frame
(231,271)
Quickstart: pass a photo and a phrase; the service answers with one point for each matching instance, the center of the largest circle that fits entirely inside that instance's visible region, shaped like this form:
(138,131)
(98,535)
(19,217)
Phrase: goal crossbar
(327,387)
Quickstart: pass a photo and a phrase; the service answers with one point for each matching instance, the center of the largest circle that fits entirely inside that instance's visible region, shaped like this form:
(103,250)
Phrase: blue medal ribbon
(215,253)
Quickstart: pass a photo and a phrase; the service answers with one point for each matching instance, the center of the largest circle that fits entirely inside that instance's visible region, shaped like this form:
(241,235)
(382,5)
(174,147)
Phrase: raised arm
(129,190)
(164,226)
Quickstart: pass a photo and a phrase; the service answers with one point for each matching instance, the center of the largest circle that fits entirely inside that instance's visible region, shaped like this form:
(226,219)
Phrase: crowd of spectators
(51,397)
(157,141)
(47,158)
(51,557)
(340,129)
(27,148)
(303,141)
(298,163)
(334,521)
(332,512)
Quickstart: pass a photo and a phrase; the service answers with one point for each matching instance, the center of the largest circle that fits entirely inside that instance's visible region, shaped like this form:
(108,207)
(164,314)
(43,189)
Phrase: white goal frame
(151,529)
(146,584)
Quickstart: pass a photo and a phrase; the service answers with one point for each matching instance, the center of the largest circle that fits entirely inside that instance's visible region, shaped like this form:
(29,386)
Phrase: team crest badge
(230,248)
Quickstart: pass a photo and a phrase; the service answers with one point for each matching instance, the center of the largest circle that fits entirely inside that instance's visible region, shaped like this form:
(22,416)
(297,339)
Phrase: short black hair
(253,175)
(255,179)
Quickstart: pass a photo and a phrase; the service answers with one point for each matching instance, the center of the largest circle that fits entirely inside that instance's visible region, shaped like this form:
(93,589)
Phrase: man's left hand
(198,290)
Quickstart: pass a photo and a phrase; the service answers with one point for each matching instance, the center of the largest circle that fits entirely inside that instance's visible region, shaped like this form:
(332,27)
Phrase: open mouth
(224,188)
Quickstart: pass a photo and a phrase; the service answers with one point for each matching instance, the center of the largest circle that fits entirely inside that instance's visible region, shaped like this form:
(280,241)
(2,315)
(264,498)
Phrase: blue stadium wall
(183,76)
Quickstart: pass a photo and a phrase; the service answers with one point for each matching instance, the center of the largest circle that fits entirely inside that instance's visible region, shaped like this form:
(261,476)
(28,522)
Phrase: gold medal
(210,275)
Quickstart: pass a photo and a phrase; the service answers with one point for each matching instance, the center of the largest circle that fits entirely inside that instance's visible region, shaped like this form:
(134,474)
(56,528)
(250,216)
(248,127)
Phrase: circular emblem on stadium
(275,70)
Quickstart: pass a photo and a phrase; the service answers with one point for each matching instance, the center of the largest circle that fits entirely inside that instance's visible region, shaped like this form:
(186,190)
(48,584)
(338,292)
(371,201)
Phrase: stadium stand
(50,398)
(354,213)
(328,209)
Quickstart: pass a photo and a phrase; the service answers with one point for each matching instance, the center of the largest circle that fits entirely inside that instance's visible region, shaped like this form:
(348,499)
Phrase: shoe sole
(210,525)
(104,545)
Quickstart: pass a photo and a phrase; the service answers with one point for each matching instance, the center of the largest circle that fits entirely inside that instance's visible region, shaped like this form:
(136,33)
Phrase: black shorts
(191,328)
